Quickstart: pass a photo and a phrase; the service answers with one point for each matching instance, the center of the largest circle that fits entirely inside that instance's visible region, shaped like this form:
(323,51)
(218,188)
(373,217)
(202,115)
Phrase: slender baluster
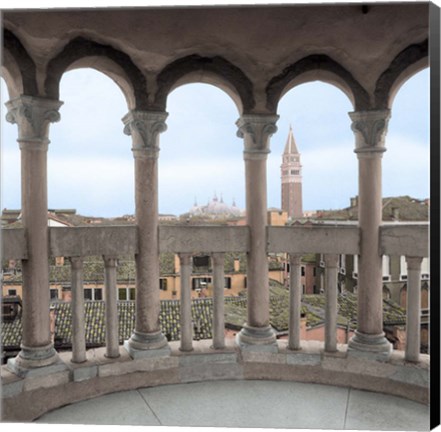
(295,300)
(186,326)
(112,340)
(218,301)
(331,262)
(78,324)
(413,306)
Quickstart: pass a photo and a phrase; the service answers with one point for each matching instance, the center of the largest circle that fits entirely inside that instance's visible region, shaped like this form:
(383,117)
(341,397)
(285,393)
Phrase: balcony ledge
(25,399)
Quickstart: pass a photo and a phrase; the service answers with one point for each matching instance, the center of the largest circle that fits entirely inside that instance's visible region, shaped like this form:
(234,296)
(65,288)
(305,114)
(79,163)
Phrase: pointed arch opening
(200,164)
(318,115)
(10,155)
(406,161)
(81,52)
(209,70)
(90,164)
(316,67)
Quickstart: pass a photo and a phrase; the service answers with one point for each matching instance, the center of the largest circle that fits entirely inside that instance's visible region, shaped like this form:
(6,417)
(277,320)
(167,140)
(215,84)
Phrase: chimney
(177,264)
(354,201)
(236,265)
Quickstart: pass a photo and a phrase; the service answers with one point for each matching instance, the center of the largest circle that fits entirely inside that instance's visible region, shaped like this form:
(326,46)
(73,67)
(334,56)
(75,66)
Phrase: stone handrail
(396,239)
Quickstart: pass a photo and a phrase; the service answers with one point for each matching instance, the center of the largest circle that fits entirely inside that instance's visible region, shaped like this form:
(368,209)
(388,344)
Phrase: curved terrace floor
(253,404)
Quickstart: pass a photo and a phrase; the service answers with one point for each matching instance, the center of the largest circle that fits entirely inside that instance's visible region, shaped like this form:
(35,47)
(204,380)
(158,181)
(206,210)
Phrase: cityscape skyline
(92,170)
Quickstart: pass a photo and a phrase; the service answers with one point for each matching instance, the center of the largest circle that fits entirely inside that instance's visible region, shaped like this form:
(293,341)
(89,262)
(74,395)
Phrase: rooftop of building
(395,209)
(202,311)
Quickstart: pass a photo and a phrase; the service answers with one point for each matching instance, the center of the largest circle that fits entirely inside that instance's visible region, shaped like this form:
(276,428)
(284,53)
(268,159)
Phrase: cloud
(94,186)
(180,183)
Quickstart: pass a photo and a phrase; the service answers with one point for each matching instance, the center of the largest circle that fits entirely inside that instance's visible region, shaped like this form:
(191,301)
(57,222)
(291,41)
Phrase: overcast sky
(90,164)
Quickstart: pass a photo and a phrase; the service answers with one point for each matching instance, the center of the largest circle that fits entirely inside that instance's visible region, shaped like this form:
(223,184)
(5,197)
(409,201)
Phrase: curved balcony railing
(111,368)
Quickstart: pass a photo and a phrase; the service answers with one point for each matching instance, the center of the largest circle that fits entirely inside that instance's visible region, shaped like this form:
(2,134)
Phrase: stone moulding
(29,398)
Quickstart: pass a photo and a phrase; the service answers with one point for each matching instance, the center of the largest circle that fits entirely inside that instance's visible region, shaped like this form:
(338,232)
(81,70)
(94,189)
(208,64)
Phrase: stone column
(295,301)
(147,338)
(218,301)
(33,116)
(331,290)
(370,129)
(78,318)
(185,306)
(112,337)
(256,130)
(413,309)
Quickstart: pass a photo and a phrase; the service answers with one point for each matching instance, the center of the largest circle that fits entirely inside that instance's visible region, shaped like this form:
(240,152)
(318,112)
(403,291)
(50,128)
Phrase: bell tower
(291,175)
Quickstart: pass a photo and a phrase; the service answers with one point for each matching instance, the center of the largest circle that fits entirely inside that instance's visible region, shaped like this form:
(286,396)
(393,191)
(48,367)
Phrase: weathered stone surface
(263,357)
(46,381)
(204,372)
(13,243)
(302,359)
(84,241)
(84,373)
(212,358)
(137,365)
(195,239)
(409,239)
(314,239)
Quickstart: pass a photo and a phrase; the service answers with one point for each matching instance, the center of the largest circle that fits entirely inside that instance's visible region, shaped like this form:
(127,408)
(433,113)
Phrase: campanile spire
(291,176)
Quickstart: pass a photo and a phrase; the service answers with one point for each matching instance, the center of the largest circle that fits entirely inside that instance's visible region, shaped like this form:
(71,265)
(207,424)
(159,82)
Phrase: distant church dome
(216,209)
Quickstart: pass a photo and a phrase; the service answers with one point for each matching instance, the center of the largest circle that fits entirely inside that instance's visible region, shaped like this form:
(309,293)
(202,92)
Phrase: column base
(32,361)
(374,347)
(257,339)
(147,345)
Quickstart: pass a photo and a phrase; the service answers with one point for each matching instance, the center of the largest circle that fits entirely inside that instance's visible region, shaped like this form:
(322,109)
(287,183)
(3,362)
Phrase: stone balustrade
(294,355)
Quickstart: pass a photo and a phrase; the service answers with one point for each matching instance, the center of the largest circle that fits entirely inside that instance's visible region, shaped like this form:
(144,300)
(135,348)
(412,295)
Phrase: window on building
(199,283)
(227,282)
(126,294)
(314,271)
(12,292)
(303,289)
(87,294)
(98,294)
(163,284)
(54,294)
(302,270)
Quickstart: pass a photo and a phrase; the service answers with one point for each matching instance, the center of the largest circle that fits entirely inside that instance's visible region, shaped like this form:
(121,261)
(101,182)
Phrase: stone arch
(316,67)
(211,70)
(407,63)
(18,68)
(82,52)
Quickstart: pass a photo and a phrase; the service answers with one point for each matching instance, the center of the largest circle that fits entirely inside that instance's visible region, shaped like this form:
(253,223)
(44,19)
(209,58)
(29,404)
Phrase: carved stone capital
(370,128)
(185,259)
(414,263)
(218,259)
(331,260)
(33,116)
(110,261)
(76,262)
(144,127)
(256,130)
